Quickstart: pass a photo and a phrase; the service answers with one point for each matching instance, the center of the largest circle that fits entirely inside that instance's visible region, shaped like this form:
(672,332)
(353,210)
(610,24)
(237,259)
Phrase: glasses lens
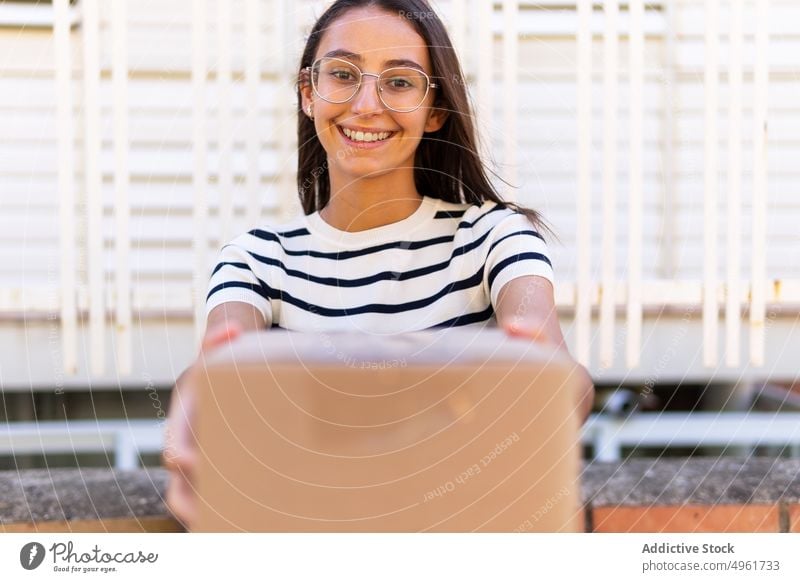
(335,80)
(403,89)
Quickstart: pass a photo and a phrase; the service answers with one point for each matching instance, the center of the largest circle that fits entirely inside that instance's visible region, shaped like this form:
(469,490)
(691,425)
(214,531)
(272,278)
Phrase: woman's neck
(369,203)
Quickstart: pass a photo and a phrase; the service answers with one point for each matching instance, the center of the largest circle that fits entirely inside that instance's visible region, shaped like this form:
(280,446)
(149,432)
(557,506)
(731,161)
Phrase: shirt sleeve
(234,279)
(516,250)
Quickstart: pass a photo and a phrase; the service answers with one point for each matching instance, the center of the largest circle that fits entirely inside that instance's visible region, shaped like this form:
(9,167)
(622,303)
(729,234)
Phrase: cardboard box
(447,430)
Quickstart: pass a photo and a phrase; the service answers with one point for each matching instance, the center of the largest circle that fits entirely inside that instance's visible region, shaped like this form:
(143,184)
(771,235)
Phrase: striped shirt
(442,266)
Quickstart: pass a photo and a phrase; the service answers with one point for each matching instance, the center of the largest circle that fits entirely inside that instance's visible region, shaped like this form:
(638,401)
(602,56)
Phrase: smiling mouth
(366,136)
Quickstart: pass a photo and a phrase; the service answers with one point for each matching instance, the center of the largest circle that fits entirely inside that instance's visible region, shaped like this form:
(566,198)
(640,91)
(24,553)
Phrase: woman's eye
(343,75)
(399,83)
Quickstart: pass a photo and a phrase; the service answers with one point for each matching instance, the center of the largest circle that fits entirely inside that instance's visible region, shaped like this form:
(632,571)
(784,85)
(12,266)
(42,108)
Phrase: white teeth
(365,136)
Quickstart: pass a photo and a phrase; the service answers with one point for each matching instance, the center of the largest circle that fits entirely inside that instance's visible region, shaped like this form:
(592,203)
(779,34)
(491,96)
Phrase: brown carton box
(447,431)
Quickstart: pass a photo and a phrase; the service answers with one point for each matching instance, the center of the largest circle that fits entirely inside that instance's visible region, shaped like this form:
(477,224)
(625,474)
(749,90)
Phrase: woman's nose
(366,100)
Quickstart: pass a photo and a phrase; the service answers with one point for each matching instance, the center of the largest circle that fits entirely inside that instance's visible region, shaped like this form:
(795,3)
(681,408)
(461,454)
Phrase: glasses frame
(428,86)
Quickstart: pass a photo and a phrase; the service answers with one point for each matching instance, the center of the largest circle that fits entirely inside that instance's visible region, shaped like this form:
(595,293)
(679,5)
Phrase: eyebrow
(342,53)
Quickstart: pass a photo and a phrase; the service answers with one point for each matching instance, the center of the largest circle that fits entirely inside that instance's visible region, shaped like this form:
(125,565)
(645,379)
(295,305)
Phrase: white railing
(124,440)
(608,436)
(474,36)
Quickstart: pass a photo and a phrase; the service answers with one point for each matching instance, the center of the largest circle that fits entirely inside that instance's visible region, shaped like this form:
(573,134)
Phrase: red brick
(688,518)
(794,518)
(114,525)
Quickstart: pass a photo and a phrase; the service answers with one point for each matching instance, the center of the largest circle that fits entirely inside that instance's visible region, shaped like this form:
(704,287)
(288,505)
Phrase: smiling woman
(445,163)
(402,229)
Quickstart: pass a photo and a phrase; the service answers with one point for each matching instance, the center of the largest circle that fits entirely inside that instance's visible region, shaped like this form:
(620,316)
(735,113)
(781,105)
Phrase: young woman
(402,230)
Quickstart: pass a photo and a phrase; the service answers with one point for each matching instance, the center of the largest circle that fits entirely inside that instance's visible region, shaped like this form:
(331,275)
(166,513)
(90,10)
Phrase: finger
(517,329)
(179,453)
(179,444)
(220,335)
(180,501)
(180,462)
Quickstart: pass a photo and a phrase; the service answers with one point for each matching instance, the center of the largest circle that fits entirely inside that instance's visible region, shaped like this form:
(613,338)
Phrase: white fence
(160,130)
(121,441)
(611,438)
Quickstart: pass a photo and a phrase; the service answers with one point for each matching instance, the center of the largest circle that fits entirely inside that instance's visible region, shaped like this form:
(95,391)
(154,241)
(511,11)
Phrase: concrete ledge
(86,500)
(693,495)
(699,481)
(642,495)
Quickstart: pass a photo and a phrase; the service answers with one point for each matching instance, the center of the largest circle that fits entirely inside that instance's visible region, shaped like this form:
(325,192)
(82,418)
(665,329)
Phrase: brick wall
(642,495)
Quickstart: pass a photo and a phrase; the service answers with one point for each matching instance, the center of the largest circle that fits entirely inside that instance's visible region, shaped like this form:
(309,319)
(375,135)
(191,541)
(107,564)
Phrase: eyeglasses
(401,89)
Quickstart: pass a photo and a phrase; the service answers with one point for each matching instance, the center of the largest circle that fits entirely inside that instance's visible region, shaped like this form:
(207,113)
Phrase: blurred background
(660,140)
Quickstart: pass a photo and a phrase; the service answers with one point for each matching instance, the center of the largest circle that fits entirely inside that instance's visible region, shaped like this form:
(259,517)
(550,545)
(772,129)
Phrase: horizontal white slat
(688,160)
(784,128)
(561,22)
(155,297)
(782,18)
(31,15)
(171,162)
(154,127)
(157,199)
(172,225)
(160,37)
(783,54)
(167,95)
(535,18)
(35,191)
(167,48)
(25,159)
(170,97)
(28,159)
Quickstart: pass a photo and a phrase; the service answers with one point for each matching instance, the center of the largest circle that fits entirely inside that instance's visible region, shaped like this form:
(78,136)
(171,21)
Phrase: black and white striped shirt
(442,266)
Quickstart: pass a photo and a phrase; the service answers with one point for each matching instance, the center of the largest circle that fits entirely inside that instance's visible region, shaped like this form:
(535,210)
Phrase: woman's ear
(436,119)
(306,93)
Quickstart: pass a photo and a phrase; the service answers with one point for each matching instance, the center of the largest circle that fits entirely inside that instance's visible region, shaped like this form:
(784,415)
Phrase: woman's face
(373,40)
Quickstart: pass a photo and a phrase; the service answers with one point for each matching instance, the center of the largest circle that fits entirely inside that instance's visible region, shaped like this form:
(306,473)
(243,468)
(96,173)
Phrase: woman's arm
(225,323)
(526,307)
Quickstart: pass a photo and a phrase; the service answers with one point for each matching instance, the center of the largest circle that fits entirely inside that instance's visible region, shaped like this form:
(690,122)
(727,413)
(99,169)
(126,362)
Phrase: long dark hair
(446,164)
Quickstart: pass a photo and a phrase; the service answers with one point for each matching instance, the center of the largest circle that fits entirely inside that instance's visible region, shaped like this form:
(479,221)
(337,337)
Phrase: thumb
(520,329)
(220,334)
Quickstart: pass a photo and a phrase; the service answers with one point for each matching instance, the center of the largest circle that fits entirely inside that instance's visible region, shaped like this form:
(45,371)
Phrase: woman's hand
(180,449)
(539,333)
(526,308)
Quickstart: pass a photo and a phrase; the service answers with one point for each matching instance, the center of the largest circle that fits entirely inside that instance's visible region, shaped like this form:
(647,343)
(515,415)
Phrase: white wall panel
(161,128)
